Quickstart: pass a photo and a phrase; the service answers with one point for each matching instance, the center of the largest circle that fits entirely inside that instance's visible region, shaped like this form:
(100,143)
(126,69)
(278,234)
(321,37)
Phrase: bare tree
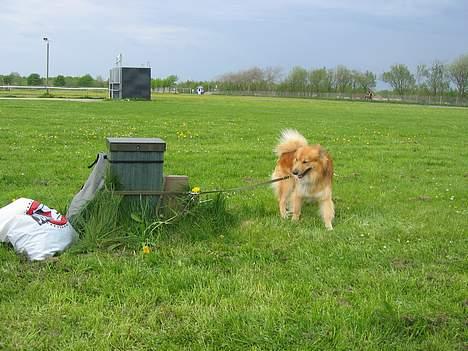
(272,75)
(251,79)
(458,72)
(343,78)
(422,72)
(330,80)
(437,78)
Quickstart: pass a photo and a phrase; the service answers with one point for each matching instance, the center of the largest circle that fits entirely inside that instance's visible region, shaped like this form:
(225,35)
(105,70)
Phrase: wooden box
(136,165)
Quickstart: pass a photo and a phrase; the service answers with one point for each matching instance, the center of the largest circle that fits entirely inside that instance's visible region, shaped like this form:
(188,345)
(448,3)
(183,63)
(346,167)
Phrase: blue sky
(200,40)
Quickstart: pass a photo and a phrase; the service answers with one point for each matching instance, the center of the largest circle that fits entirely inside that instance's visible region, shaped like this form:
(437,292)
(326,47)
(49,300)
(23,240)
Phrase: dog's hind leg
(327,211)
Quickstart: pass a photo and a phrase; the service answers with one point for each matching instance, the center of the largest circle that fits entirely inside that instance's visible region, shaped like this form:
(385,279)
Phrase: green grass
(391,276)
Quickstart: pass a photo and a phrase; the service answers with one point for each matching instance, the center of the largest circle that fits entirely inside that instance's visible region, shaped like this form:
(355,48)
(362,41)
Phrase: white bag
(34,229)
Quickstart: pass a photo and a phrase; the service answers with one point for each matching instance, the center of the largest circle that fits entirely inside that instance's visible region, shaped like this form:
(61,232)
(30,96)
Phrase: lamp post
(47,71)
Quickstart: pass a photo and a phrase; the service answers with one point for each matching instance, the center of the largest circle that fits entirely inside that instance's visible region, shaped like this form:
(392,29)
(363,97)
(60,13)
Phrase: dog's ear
(326,161)
(322,152)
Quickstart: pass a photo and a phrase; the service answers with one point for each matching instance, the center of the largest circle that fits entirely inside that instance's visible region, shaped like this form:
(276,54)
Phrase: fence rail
(409,99)
(44,87)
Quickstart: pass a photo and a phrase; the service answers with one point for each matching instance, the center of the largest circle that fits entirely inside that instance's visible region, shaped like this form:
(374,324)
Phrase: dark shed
(130,83)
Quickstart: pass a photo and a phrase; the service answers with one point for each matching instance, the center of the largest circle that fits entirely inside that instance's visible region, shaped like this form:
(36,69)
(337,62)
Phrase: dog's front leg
(282,207)
(296,206)
(283,192)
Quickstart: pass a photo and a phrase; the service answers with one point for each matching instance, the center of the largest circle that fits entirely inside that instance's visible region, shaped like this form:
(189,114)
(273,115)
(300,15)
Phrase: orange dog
(310,168)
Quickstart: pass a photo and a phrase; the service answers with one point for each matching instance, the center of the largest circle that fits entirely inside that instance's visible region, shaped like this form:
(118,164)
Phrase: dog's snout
(295,172)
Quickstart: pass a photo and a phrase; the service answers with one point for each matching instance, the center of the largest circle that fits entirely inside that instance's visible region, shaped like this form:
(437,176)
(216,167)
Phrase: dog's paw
(285,214)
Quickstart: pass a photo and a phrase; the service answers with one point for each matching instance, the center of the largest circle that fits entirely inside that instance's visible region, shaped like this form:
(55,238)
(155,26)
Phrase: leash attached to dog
(229,190)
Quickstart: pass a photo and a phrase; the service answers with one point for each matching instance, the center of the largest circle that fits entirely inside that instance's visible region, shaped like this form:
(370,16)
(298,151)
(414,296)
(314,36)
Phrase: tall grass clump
(111,222)
(204,218)
(99,224)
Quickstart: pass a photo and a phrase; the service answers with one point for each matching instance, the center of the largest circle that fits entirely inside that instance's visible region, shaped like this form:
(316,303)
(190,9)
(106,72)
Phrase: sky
(201,40)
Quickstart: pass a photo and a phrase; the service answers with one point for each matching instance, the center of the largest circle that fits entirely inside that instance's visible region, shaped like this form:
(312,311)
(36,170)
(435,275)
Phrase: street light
(47,72)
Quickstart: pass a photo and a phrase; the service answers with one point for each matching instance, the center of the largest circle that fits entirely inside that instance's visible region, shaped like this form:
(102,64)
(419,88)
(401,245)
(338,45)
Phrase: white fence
(43,87)
(410,99)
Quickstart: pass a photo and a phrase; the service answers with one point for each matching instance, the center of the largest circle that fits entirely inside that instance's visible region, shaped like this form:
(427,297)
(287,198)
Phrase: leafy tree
(5,80)
(59,81)
(86,81)
(458,72)
(400,79)
(297,79)
(34,79)
(363,81)
(72,81)
(156,83)
(171,80)
(100,82)
(13,78)
(318,80)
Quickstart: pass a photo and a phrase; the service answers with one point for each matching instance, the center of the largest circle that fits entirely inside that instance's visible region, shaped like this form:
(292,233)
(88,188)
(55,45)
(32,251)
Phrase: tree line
(34,79)
(437,79)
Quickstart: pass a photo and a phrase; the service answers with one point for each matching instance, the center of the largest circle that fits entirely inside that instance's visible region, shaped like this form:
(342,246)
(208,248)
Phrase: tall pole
(47,70)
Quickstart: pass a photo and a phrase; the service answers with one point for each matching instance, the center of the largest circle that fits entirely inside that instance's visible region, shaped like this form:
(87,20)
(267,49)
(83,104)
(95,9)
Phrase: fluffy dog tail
(290,140)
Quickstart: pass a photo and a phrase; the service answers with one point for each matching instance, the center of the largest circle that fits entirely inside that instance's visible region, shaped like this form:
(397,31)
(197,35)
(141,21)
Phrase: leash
(157,192)
(229,190)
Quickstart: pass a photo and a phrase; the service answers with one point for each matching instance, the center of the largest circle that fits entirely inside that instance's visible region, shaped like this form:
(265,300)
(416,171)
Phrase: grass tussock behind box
(391,275)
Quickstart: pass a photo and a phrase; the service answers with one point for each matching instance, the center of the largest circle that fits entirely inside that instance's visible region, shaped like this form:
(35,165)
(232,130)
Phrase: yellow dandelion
(196,189)
(146,249)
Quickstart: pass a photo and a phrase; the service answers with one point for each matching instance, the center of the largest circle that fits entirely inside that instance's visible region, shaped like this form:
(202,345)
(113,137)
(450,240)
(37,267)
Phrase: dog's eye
(305,161)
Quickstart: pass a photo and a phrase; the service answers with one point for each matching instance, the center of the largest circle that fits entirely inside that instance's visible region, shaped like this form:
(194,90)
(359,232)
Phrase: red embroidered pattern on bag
(42,214)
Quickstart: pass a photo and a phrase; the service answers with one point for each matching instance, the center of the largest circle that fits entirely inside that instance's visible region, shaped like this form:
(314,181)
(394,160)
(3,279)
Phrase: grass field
(391,276)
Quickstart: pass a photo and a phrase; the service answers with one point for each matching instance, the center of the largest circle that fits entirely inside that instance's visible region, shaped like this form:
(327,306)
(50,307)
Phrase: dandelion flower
(146,249)
(196,189)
